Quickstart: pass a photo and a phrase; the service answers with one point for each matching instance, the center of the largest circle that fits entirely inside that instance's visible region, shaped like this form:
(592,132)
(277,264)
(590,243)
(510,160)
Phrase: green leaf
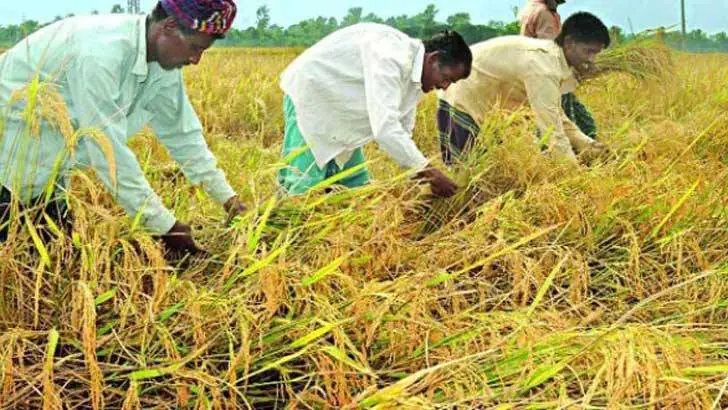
(706,370)
(107,328)
(449,340)
(256,266)
(262,222)
(324,272)
(170,311)
(104,297)
(154,373)
(277,363)
(310,337)
(337,354)
(53,338)
(44,257)
(542,374)
(674,209)
(546,285)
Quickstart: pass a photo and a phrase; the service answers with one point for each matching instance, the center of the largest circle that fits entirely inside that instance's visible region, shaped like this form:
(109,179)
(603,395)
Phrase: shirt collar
(568,75)
(141,67)
(419,63)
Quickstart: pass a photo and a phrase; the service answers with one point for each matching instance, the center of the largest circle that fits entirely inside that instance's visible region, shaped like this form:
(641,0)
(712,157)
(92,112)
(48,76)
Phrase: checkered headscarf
(205,16)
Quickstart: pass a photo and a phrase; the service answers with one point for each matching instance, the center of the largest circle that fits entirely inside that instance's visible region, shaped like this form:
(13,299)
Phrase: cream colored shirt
(511,71)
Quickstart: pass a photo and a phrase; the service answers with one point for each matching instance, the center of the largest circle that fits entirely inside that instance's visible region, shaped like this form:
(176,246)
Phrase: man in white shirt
(361,84)
(115,74)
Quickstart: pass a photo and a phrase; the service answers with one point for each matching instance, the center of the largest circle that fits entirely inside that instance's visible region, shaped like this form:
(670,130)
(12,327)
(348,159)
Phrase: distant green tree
(353,16)
(421,25)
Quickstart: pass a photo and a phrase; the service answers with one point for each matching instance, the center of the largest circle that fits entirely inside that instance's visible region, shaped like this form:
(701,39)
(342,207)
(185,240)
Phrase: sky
(632,15)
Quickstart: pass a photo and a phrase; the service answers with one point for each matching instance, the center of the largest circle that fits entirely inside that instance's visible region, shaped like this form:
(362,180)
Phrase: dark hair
(584,27)
(453,49)
(159,14)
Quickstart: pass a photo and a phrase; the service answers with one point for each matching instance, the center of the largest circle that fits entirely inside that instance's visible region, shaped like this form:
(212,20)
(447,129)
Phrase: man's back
(333,84)
(511,57)
(51,50)
(339,56)
(98,66)
(501,68)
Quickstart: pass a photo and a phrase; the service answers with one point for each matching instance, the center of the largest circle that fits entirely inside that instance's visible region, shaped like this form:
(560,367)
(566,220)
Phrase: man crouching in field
(361,84)
(511,71)
(115,74)
(541,19)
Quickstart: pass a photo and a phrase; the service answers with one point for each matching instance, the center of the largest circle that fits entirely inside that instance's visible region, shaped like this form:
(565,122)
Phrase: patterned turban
(206,16)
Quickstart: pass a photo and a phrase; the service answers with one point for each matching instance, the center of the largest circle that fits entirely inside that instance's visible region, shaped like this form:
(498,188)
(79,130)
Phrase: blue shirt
(95,89)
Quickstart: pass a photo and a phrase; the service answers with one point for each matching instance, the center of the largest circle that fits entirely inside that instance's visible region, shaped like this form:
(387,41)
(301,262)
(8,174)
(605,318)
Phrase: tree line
(421,25)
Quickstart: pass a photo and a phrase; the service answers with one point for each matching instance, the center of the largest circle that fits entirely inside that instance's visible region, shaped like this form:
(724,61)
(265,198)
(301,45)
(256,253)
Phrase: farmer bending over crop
(541,19)
(361,84)
(514,70)
(115,74)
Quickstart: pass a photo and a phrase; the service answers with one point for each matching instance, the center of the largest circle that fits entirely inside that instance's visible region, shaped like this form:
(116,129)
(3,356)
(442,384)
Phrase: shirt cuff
(416,162)
(420,164)
(561,147)
(582,142)
(564,152)
(220,191)
(162,223)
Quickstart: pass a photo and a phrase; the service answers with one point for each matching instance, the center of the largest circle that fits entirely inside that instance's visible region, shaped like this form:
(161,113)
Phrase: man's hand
(441,185)
(595,151)
(179,240)
(234,207)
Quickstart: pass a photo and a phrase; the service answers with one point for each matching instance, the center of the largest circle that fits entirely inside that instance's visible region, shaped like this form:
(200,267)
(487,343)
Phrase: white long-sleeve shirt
(359,84)
(99,65)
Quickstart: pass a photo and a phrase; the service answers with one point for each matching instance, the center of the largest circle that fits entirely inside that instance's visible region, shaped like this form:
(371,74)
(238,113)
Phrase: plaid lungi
(457,131)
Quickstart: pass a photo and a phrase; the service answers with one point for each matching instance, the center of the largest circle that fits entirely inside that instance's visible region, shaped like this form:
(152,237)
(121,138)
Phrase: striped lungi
(457,131)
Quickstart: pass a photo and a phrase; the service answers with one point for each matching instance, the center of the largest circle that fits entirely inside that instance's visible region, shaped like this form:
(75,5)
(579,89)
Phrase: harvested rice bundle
(643,59)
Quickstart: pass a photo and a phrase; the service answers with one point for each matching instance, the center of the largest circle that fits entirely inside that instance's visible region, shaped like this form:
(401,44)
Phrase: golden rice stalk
(642,59)
(102,140)
(84,318)
(131,402)
(167,341)
(44,103)
(7,381)
(51,400)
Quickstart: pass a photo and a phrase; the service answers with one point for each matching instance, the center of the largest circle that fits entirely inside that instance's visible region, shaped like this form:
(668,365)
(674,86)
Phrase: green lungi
(301,172)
